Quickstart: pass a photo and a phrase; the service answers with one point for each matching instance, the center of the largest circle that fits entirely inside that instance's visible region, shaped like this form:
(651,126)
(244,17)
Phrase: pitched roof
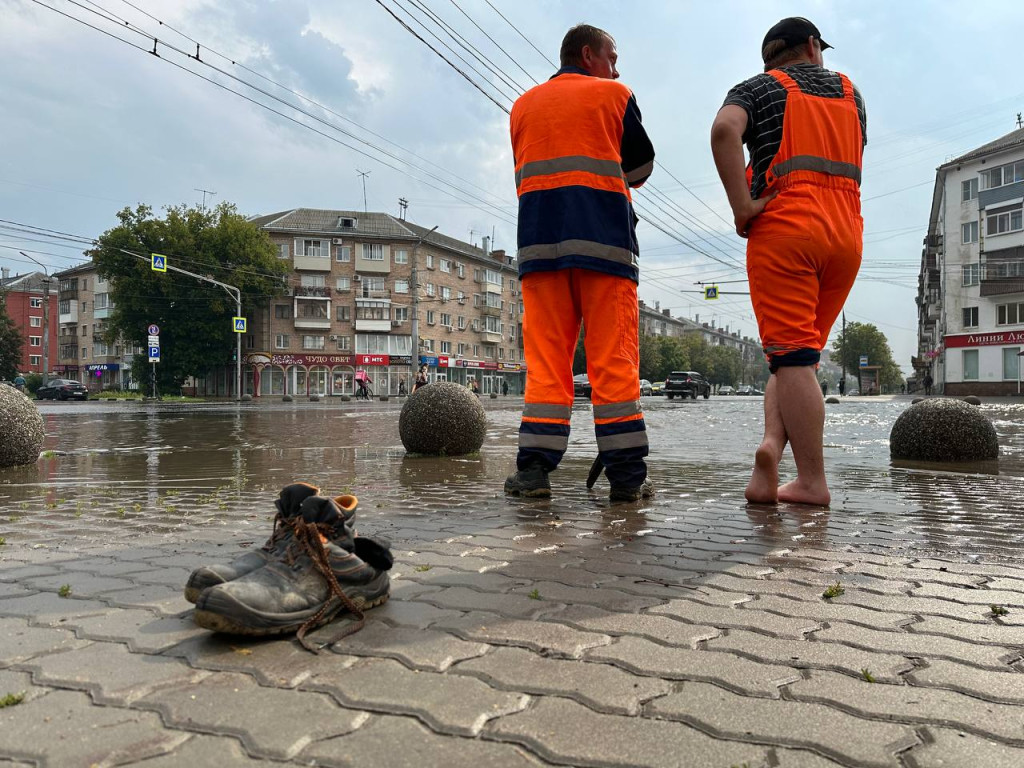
(315,220)
(1010,140)
(30,281)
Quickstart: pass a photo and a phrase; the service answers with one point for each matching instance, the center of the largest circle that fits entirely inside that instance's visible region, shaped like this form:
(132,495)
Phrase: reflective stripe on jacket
(579,145)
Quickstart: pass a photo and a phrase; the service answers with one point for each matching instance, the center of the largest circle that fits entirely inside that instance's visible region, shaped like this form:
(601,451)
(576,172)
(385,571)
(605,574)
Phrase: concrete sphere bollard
(442,418)
(917,400)
(939,429)
(314,398)
(972,400)
(832,400)
(246,398)
(287,399)
(21,425)
(494,395)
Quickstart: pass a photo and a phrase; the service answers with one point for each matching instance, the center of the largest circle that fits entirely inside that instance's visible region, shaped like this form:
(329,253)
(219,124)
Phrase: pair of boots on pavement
(312,568)
(533,482)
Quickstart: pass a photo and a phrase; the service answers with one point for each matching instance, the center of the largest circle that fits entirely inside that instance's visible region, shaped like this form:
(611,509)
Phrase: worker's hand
(751,210)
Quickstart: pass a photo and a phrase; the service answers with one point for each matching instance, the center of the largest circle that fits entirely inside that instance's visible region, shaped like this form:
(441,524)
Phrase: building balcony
(382,294)
(313,263)
(373,326)
(311,292)
(490,311)
(490,337)
(313,323)
(71,316)
(101,313)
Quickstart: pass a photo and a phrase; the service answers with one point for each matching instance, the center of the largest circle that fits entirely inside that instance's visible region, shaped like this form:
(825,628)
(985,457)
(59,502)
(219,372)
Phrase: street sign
(158,263)
(154,354)
(863,361)
(154,341)
(154,329)
(710,292)
(239,323)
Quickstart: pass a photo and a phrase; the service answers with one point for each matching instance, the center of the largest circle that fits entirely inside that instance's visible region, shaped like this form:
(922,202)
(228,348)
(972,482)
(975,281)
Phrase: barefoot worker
(805,129)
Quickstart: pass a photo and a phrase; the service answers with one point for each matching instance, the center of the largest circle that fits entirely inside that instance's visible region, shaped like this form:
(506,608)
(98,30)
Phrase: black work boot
(324,571)
(531,482)
(288,502)
(632,493)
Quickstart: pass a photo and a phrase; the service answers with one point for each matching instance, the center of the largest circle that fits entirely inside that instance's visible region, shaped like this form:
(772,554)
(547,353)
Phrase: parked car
(725,389)
(645,387)
(749,390)
(687,384)
(581,385)
(62,389)
(656,388)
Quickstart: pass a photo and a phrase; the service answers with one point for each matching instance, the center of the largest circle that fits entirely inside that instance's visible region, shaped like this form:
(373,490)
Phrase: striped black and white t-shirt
(764,100)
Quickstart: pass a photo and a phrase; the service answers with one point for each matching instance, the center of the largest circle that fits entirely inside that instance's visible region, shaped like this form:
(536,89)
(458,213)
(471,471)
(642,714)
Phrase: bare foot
(763,487)
(798,492)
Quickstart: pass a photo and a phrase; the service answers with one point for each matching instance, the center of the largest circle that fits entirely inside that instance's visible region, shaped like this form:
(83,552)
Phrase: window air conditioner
(336,241)
(395,323)
(333,337)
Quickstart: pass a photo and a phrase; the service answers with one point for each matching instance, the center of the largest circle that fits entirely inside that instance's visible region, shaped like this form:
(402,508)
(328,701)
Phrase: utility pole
(403,206)
(205,193)
(842,360)
(416,301)
(46,316)
(363,174)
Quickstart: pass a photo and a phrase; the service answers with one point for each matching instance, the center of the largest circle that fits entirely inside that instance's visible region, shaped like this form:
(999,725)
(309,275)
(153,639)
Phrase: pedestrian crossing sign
(158,263)
(239,324)
(711,292)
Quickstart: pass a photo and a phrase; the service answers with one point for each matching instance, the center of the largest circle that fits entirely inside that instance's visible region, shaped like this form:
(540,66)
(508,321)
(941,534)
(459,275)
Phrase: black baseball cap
(794,30)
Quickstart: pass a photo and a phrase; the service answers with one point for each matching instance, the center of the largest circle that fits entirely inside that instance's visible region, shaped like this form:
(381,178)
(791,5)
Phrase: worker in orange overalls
(579,146)
(805,129)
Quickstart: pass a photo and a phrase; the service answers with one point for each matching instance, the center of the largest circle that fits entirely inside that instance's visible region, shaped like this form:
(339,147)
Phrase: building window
(401,256)
(401,314)
(460,297)
(446,347)
(430,317)
(33,359)
(461,269)
(85,353)
(283,311)
(311,248)
(430,261)
(970,317)
(282,250)
(446,293)
(344,313)
(346,222)
(344,284)
(344,253)
(1003,175)
(313,281)
(312,342)
(430,289)
(1009,314)
(373,251)
(476,350)
(427,345)
(969,232)
(972,273)
(446,266)
(970,365)
(35,341)
(462,322)
(344,343)
(999,221)
(373,310)
(446,319)
(35,303)
(35,322)
(969,189)
(462,349)
(401,286)
(281,341)
(1011,363)
(313,310)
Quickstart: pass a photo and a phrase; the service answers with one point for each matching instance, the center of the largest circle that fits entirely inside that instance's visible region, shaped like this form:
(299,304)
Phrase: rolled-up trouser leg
(551,326)
(611,327)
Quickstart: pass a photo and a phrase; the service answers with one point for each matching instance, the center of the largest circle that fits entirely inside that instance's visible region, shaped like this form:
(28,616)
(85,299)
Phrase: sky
(93,124)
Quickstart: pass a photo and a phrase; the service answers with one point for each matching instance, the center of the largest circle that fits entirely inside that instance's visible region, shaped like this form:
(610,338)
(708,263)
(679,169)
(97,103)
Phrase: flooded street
(127,469)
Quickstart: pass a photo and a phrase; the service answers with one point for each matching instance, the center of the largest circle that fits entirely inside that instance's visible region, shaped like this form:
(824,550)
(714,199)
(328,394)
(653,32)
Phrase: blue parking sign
(154,354)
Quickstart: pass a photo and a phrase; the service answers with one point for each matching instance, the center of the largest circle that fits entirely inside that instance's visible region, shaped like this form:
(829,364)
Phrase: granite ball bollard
(917,400)
(940,429)
(287,398)
(21,425)
(972,400)
(442,419)
(832,400)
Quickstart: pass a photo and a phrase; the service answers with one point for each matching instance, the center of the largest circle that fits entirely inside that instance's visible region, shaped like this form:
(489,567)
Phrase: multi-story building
(357,281)
(83,308)
(26,306)
(971,283)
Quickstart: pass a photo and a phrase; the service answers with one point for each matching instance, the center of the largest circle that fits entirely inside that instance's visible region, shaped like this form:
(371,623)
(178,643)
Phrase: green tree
(11,342)
(865,339)
(674,356)
(194,317)
(726,365)
(579,358)
(650,358)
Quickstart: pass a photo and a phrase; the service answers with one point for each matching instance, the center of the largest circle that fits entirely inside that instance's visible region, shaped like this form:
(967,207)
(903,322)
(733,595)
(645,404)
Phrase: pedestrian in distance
(805,129)
(928,381)
(842,387)
(19,383)
(363,382)
(421,378)
(474,386)
(401,386)
(504,387)
(824,389)
(579,146)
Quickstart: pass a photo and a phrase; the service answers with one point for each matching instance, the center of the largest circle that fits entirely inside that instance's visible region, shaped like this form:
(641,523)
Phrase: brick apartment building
(25,306)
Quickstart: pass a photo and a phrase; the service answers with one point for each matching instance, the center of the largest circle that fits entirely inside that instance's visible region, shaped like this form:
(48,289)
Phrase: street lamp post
(46,316)
(416,301)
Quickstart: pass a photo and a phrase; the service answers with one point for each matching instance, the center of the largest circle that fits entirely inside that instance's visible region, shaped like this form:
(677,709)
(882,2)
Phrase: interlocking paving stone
(1006,686)
(566,732)
(920,606)
(446,703)
(912,704)
(175,578)
(460,598)
(109,672)
(416,648)
(980,569)
(949,749)
(603,597)
(829,610)
(800,758)
(1004,583)
(401,742)
(208,752)
(742,618)
(48,607)
(644,657)
(19,641)
(981,632)
(927,646)
(548,636)
(64,730)
(449,577)
(863,742)
(661,628)
(410,613)
(142,631)
(599,686)
(82,584)
(807,654)
(571,576)
(982,596)
(14,590)
(105,566)
(917,574)
(169,601)
(271,722)
(12,682)
(19,574)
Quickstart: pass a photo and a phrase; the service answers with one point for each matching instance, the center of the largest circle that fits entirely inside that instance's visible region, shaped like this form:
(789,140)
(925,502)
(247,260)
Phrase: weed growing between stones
(866,674)
(3,541)
(998,610)
(422,568)
(834,590)
(534,595)
(64,591)
(12,699)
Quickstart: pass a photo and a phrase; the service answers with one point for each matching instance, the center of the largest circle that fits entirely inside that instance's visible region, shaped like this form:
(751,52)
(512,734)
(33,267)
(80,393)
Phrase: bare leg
(763,487)
(803,414)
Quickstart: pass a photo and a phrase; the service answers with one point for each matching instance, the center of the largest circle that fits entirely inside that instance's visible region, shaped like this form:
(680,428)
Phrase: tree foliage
(11,342)
(196,334)
(865,339)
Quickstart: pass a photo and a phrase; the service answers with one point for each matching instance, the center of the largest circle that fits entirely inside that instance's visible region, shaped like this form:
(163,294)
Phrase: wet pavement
(688,631)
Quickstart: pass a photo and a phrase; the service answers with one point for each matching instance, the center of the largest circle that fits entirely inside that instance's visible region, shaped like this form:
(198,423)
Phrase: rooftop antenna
(364,174)
(211,194)
(1020,121)
(471,233)
(403,206)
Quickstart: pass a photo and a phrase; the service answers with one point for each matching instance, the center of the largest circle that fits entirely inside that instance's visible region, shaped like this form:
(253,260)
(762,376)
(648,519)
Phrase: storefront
(101,376)
(493,377)
(325,374)
(983,363)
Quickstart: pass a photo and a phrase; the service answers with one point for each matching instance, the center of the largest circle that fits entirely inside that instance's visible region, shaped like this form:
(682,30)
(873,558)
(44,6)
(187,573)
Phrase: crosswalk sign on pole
(711,292)
(239,323)
(158,263)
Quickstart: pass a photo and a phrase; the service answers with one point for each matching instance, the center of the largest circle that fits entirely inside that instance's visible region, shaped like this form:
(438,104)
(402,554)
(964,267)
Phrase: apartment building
(26,300)
(655,321)
(971,283)
(357,281)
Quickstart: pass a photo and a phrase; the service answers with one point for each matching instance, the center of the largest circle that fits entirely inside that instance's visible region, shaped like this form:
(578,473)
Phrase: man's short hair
(779,52)
(571,53)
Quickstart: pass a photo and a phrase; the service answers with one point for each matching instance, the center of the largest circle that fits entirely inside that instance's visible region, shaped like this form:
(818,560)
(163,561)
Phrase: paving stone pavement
(691,630)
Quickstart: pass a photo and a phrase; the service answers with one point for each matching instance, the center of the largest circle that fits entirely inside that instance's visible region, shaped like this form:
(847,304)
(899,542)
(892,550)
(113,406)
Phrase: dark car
(581,385)
(62,389)
(687,384)
(749,390)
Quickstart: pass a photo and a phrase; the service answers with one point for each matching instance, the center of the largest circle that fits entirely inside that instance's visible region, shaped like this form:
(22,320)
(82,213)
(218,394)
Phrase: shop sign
(309,360)
(427,360)
(372,359)
(103,367)
(985,339)
(401,359)
(510,366)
